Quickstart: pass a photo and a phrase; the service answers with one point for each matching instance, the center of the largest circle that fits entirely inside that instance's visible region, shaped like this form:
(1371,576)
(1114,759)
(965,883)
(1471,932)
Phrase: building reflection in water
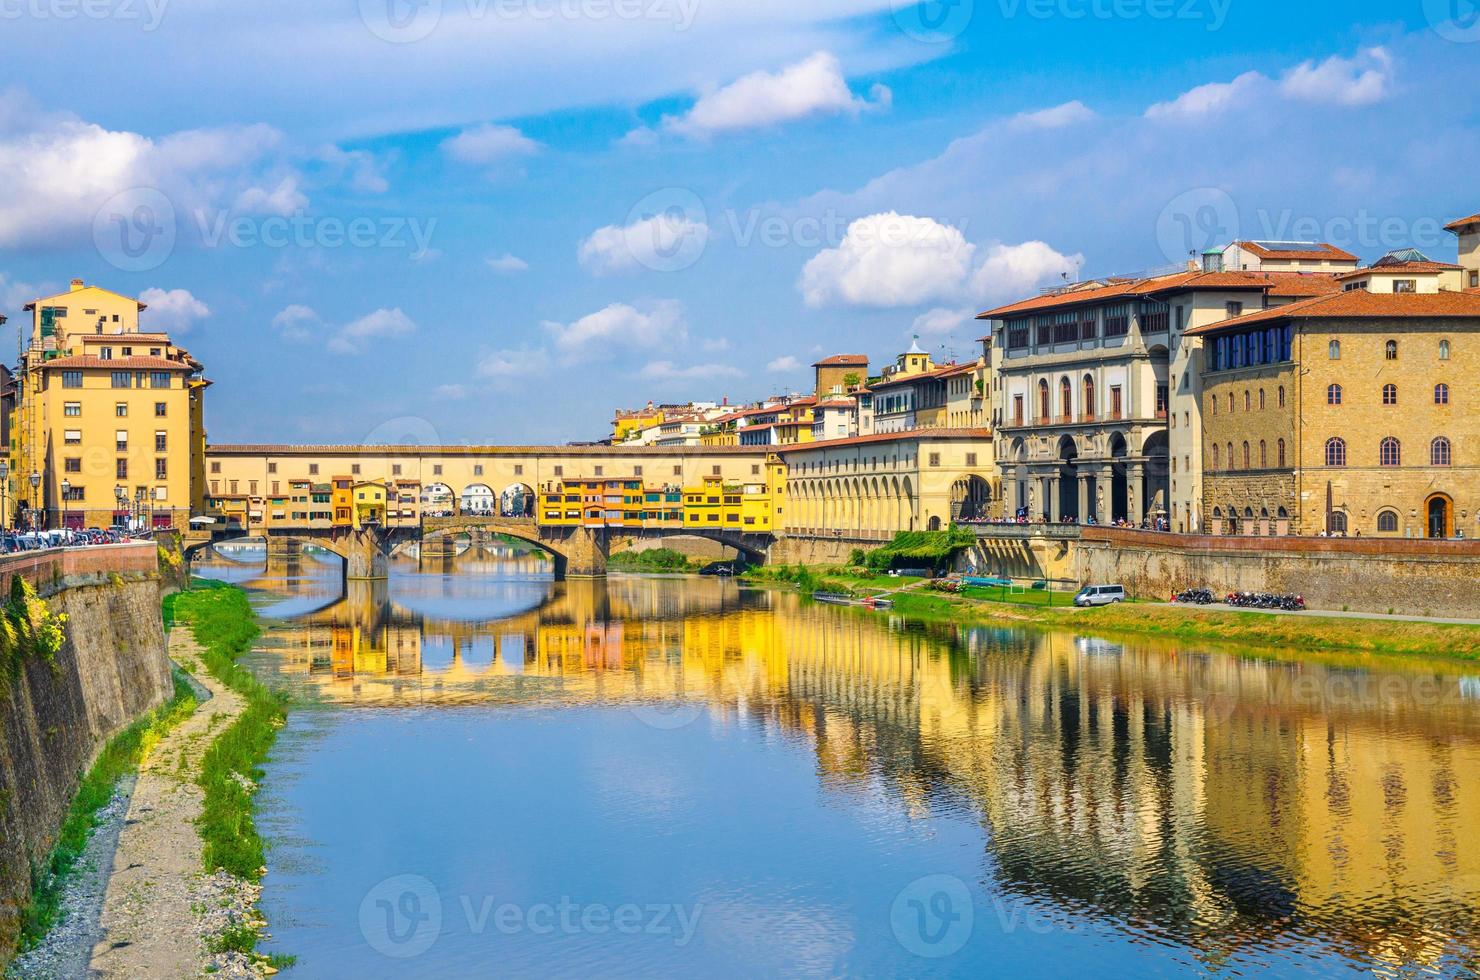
(1207,799)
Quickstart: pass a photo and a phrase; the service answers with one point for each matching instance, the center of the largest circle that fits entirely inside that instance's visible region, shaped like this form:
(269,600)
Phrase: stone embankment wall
(1410,577)
(111,669)
(803,550)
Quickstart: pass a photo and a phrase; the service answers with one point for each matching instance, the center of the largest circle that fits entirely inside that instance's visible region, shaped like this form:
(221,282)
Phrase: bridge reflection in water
(1229,805)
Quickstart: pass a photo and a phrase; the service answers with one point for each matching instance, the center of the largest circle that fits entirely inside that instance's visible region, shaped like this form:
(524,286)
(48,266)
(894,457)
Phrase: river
(489,773)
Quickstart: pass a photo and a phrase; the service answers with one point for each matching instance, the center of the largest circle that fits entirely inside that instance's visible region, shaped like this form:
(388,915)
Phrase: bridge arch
(516,500)
(476,498)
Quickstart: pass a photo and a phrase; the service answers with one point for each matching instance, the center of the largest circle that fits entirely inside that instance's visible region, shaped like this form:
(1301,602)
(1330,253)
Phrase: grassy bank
(121,756)
(653,561)
(224,625)
(1286,633)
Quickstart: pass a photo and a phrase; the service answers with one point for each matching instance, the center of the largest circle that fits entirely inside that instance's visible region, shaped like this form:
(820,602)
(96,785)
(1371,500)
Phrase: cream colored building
(108,418)
(1468,231)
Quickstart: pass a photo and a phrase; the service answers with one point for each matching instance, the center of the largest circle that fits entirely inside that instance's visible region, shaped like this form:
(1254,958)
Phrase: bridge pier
(365,556)
(585,554)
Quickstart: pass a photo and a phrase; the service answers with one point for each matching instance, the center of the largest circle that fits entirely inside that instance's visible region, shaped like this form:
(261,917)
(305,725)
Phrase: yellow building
(342,498)
(716,504)
(108,425)
(369,503)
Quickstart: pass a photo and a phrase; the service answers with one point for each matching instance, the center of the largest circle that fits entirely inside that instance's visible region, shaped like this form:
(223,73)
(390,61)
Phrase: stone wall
(1412,577)
(805,550)
(111,669)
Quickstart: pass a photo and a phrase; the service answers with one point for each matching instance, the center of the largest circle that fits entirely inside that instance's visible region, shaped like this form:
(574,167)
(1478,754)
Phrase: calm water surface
(499,775)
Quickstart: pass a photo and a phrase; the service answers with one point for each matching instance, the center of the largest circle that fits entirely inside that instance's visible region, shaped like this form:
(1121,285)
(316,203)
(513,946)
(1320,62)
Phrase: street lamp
(138,507)
(121,495)
(66,495)
(35,483)
(4,485)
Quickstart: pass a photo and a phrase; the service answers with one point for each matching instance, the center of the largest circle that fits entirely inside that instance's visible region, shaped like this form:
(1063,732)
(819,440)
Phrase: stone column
(1135,491)
(1051,497)
(364,555)
(1084,499)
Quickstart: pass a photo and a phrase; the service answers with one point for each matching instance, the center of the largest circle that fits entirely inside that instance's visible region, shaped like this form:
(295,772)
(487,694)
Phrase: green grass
(652,560)
(122,755)
(224,625)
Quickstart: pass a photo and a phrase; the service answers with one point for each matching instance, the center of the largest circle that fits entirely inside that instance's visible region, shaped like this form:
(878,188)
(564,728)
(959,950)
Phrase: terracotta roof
(113,338)
(843,360)
(1302,284)
(1317,251)
(117,363)
(1455,226)
(1087,294)
(1401,267)
(935,373)
(837,403)
(1359,304)
(976,435)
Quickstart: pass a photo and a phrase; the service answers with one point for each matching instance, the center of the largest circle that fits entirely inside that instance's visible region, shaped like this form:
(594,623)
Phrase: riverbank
(1375,634)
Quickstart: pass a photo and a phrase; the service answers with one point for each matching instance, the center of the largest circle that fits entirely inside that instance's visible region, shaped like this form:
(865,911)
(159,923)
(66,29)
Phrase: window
(1042,400)
(971,459)
(1017,409)
(121,438)
(598,471)
(72,437)
(72,464)
(1280,453)
(1333,394)
(1115,400)
(1338,522)
(437,469)
(395,468)
(1441,394)
(160,441)
(71,379)
(105,353)
(1390,452)
(1390,351)
(161,410)
(72,409)
(161,469)
(1335,452)
(159,379)
(1247,400)
(1390,394)
(1066,399)
(271,467)
(1263,455)
(1231,463)
(1281,400)
(560,471)
(1261,399)
(122,379)
(313,469)
(215,466)
(1443,350)
(935,459)
(477,469)
(1439,452)
(1333,350)
(121,470)
(1089,397)
(120,410)
(1216,453)
(1387,522)
(1233,309)
(1246,455)
(1405,285)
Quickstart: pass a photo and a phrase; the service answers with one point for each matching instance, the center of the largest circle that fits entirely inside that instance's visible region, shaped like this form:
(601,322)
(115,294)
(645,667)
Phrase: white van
(1099,595)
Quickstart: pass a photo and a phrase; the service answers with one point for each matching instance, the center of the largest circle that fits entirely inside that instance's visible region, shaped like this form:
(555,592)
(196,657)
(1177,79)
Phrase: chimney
(76,285)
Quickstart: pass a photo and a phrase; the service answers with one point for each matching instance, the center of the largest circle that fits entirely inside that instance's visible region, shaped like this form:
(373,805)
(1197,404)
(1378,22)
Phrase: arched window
(1390,452)
(1439,452)
(1282,396)
(1338,522)
(1441,394)
(1443,350)
(1261,399)
(1387,522)
(1214,403)
(1263,455)
(1066,398)
(1390,394)
(1217,452)
(1335,451)
(1391,350)
(1246,455)
(1089,397)
(1230,403)
(1232,463)
(1043,412)
(1279,449)
(1333,350)
(1246,401)
(1333,394)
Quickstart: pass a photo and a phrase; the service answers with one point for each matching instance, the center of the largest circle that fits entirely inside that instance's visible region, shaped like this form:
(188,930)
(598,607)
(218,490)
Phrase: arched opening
(1066,508)
(1043,407)
(1118,503)
(1440,510)
(1158,476)
(436,500)
(934,523)
(476,499)
(517,500)
(1066,400)
(971,499)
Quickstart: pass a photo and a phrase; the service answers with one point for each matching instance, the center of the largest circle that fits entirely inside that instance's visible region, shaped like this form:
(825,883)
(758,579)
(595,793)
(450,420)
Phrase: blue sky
(495,221)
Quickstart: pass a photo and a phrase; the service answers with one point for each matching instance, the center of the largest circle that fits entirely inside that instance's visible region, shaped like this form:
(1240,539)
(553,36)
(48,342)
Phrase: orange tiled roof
(1359,304)
(113,338)
(1303,284)
(843,360)
(1401,267)
(117,363)
(939,372)
(1319,251)
(1456,225)
(971,434)
(1149,286)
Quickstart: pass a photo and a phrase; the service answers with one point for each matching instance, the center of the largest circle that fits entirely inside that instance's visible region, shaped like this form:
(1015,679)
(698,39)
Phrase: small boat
(833,598)
(878,602)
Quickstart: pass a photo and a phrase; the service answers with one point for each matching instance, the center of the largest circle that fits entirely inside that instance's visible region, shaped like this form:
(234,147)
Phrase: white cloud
(383,324)
(513,363)
(361,167)
(1056,117)
(670,240)
(284,199)
(782,365)
(597,335)
(940,321)
(507,264)
(886,260)
(812,86)
(715,344)
(668,371)
(297,322)
(1356,81)
(1207,99)
(173,310)
(450,392)
(1010,271)
(487,144)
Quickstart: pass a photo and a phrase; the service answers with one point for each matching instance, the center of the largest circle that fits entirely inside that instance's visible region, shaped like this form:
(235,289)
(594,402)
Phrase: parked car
(1099,595)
